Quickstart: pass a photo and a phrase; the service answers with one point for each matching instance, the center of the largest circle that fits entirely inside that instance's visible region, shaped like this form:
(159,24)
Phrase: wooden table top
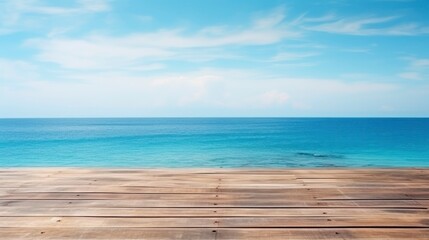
(107,203)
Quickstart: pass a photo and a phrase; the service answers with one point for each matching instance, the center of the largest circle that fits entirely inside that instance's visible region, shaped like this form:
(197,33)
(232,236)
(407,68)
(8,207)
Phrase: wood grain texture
(91,203)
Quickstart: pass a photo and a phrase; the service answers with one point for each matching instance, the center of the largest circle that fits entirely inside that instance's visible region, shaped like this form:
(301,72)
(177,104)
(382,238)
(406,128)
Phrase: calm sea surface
(215,142)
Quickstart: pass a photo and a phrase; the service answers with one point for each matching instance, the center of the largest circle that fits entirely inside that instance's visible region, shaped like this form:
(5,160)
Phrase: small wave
(317,155)
(328,165)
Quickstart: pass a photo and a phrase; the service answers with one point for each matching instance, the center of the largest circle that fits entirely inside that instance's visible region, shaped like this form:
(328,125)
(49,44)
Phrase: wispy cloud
(356,50)
(37,7)
(367,26)
(208,89)
(28,14)
(292,56)
(102,51)
(272,19)
(95,53)
(416,69)
(420,63)
(411,75)
(304,18)
(13,72)
(273,98)
(155,65)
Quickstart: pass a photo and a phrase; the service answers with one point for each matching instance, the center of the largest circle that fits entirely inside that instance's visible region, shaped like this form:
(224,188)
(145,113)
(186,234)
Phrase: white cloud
(95,53)
(273,97)
(217,91)
(325,18)
(273,19)
(94,5)
(292,56)
(370,26)
(183,89)
(15,71)
(144,18)
(416,69)
(104,75)
(101,51)
(356,50)
(410,75)
(34,14)
(37,7)
(146,67)
(420,63)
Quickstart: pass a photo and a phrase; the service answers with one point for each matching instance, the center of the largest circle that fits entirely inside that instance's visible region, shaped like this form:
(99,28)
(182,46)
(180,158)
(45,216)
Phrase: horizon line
(189,117)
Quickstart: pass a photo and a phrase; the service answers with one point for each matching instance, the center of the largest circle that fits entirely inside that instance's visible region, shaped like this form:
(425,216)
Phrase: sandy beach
(108,203)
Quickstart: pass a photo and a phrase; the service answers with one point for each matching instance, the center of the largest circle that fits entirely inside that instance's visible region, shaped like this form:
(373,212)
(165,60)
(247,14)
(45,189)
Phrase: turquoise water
(215,142)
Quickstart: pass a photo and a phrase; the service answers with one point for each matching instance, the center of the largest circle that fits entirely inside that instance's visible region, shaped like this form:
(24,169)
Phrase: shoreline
(211,168)
(214,203)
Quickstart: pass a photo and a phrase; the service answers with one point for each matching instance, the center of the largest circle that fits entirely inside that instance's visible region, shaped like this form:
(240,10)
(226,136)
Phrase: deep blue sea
(215,142)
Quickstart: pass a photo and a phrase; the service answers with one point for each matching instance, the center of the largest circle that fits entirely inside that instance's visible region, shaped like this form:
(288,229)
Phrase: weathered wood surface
(74,203)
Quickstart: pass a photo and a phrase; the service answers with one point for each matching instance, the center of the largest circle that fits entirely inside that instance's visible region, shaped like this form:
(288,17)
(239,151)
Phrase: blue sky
(101,58)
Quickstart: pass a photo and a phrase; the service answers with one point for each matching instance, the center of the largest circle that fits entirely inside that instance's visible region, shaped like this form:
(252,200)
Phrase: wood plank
(219,233)
(318,233)
(92,203)
(207,212)
(210,222)
(213,203)
(107,233)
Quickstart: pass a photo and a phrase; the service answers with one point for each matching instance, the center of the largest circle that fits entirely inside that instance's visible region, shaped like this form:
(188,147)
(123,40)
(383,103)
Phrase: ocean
(215,142)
